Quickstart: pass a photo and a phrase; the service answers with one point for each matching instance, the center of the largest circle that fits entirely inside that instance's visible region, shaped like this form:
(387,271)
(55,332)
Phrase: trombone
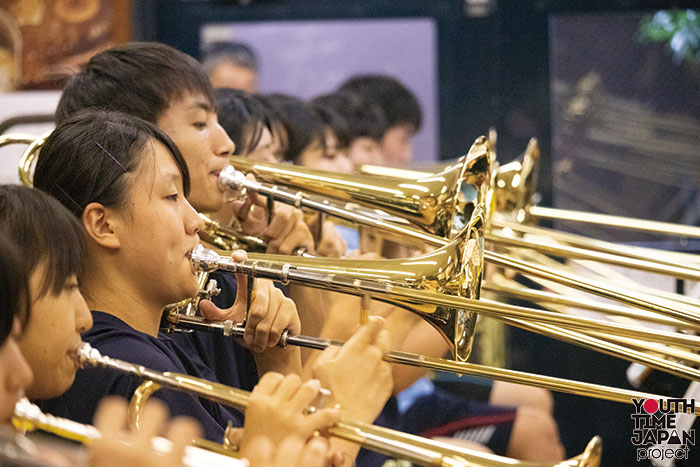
(514,186)
(385,280)
(178,321)
(29,417)
(431,208)
(418,450)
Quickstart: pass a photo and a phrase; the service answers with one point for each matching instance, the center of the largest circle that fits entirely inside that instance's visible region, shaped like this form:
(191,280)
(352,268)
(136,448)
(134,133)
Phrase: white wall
(309,58)
(19,104)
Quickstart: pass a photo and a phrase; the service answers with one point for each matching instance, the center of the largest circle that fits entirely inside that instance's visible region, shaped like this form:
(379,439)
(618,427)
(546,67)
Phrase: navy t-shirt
(114,338)
(233,364)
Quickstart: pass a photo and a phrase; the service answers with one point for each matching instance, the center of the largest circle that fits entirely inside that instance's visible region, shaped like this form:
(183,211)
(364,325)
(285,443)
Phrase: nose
(83,317)
(222,144)
(20,375)
(193,223)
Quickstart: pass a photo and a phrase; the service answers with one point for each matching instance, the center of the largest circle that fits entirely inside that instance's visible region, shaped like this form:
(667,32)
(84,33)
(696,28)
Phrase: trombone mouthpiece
(87,356)
(203,259)
(231,179)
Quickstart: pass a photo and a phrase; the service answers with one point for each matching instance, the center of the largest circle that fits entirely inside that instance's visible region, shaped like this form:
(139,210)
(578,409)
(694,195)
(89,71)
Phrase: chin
(58,385)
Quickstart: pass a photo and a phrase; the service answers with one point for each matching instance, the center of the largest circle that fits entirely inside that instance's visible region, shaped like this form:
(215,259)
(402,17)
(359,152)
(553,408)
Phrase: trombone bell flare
(434,203)
(455,270)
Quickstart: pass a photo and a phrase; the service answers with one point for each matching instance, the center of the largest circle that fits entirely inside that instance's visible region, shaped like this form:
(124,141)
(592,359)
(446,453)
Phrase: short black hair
(328,109)
(242,116)
(14,287)
(279,131)
(238,53)
(364,118)
(140,78)
(398,103)
(43,231)
(85,158)
(303,126)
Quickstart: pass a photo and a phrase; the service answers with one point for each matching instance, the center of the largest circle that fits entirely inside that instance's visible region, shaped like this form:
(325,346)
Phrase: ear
(99,223)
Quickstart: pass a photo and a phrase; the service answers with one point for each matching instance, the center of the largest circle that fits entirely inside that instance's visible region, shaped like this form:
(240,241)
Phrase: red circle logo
(651,405)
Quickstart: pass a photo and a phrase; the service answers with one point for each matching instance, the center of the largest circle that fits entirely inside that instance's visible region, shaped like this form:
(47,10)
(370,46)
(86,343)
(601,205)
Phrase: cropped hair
(140,78)
(396,101)
(327,107)
(242,116)
(87,157)
(43,232)
(14,287)
(303,126)
(237,53)
(276,126)
(364,118)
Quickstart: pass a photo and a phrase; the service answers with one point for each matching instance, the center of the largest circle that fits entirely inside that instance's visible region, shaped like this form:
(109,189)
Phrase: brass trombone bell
(398,282)
(455,269)
(685,313)
(433,203)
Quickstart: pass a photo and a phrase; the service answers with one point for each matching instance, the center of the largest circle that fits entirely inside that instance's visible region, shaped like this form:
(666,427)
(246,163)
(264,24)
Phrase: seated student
(337,135)
(231,65)
(116,448)
(171,90)
(247,121)
(126,181)
(305,136)
(365,126)
(45,283)
(401,111)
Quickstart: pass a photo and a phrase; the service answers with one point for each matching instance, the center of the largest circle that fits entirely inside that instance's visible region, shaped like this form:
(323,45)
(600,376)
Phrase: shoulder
(115,339)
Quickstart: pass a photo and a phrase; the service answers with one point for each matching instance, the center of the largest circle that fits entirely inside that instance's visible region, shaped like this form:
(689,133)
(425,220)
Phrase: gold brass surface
(431,203)
(421,451)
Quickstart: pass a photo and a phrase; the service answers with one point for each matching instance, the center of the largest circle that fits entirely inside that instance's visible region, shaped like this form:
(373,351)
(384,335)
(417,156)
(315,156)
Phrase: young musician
(171,90)
(17,280)
(47,250)
(401,111)
(127,183)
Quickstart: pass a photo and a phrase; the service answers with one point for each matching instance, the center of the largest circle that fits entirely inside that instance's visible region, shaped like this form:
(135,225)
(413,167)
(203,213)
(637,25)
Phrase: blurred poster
(42,41)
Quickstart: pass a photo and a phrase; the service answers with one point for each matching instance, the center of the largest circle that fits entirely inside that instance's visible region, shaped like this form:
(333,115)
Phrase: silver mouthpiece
(87,356)
(203,259)
(231,179)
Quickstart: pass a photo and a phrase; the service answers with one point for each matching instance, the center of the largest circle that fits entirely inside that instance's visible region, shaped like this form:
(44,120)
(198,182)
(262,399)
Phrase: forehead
(188,102)
(157,166)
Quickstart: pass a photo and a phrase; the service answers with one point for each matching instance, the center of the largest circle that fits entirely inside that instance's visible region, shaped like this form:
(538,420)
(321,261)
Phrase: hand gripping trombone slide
(421,451)
(208,260)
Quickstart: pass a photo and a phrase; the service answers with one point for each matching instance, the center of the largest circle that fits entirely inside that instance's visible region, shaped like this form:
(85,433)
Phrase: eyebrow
(202,105)
(172,177)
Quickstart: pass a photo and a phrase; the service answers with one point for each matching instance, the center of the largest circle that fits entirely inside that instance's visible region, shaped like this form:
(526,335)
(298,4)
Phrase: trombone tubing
(301,200)
(540,296)
(670,258)
(285,272)
(383,440)
(596,288)
(322,204)
(622,222)
(230,329)
(565,251)
(636,344)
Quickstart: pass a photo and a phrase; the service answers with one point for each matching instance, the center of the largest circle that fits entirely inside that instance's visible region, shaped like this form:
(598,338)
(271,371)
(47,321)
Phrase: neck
(108,289)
